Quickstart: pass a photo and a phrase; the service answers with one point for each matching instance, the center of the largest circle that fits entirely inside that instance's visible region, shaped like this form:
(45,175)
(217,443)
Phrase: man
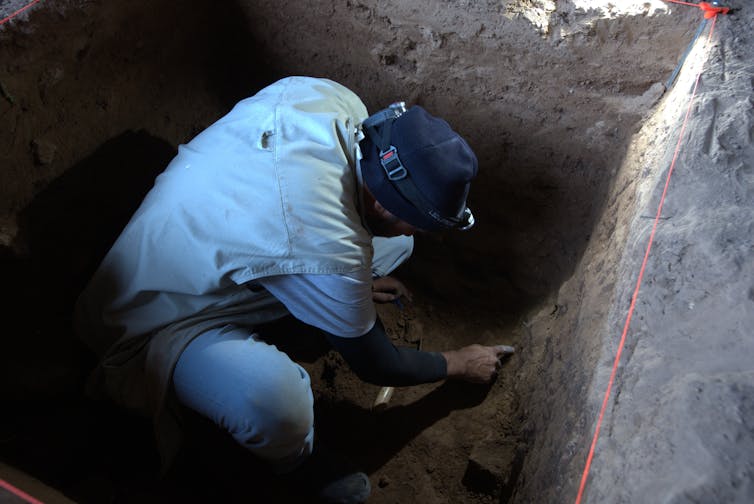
(293,203)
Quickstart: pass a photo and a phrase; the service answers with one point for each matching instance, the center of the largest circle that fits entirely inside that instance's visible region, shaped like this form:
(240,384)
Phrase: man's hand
(387,289)
(476,363)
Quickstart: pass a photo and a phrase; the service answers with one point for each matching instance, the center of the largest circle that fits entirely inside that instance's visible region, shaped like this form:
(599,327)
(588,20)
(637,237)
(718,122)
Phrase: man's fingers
(391,284)
(383,297)
(501,350)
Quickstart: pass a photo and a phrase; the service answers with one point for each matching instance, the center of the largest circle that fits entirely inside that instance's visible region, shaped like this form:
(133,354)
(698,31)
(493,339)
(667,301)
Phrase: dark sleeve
(375,359)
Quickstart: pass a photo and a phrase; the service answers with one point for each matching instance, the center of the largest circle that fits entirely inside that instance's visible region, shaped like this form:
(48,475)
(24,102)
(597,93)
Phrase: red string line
(19,493)
(622,342)
(710,9)
(683,3)
(19,11)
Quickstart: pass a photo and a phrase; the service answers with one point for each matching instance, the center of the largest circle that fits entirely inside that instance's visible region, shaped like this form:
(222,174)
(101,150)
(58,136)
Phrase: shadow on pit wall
(48,429)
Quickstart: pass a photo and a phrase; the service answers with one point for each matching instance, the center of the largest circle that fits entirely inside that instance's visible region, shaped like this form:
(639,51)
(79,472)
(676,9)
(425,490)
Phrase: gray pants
(256,392)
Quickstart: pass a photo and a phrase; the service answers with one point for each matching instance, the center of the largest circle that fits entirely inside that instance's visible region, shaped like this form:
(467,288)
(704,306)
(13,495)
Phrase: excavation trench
(102,94)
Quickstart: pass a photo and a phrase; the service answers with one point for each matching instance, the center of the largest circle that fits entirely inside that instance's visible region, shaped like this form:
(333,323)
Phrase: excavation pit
(567,111)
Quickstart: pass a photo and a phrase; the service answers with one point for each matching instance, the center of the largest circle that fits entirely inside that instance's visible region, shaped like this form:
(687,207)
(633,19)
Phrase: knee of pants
(250,389)
(276,411)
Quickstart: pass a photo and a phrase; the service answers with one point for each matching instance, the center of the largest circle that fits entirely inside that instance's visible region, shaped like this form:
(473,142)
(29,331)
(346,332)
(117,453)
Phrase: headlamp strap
(399,177)
(378,125)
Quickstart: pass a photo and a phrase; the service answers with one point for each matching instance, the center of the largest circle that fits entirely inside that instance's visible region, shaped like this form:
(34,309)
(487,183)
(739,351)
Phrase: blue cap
(437,166)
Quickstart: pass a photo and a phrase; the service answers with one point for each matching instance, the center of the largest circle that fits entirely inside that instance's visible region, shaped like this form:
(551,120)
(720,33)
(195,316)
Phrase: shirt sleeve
(338,304)
(375,359)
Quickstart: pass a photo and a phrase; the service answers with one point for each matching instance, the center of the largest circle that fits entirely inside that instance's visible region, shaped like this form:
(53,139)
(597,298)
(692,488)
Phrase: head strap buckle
(392,165)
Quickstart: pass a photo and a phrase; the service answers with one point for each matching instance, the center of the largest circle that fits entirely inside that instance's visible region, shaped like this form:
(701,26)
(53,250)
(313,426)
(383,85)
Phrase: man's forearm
(375,359)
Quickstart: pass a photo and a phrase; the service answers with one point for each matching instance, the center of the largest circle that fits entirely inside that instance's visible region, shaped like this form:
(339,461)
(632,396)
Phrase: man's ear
(372,206)
(382,211)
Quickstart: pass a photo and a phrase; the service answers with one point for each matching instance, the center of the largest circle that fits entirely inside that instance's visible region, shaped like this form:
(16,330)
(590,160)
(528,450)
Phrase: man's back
(268,189)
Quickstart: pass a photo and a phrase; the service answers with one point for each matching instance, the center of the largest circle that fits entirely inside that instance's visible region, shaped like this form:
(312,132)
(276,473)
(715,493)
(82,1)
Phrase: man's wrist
(451,363)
